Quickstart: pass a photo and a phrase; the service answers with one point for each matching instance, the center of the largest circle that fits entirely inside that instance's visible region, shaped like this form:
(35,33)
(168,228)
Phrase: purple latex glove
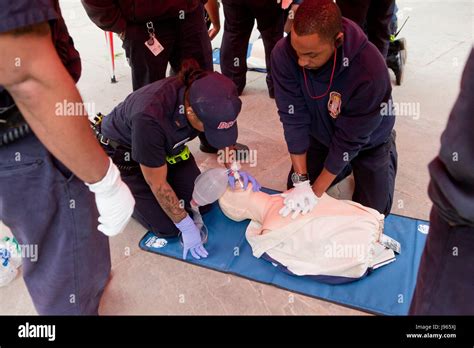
(191,239)
(245,178)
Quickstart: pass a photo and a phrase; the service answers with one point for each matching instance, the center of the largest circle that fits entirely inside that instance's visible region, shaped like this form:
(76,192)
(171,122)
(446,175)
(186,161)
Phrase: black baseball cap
(215,100)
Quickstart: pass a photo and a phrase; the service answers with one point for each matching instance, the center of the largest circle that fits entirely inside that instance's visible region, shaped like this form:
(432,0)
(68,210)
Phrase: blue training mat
(388,290)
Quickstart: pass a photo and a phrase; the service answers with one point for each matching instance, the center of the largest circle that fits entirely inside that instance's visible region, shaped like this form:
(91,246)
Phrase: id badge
(154,46)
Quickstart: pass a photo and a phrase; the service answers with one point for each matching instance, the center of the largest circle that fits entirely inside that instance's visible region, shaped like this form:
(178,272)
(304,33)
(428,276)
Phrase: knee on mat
(165,230)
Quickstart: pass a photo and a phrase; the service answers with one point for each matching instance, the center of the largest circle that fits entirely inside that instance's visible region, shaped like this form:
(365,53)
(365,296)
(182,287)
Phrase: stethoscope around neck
(330,81)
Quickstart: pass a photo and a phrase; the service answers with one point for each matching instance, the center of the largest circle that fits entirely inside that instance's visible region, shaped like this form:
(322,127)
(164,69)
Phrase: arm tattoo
(170,203)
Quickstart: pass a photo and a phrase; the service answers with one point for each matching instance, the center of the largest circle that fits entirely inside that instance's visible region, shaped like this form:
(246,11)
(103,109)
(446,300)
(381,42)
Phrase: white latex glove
(300,200)
(114,201)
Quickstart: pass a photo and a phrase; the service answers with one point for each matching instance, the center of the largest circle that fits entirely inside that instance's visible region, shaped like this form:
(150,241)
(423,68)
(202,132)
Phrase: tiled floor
(439,34)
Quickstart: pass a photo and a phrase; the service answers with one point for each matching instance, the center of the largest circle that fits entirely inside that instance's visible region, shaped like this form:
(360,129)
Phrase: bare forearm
(323,182)
(212,9)
(39,84)
(299,163)
(68,137)
(164,193)
(169,202)
(291,16)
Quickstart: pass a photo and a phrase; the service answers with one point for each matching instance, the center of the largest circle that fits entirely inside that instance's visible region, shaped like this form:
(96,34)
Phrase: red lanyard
(330,82)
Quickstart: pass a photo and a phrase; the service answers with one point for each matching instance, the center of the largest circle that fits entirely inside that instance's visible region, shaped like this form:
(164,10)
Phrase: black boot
(271,89)
(396,59)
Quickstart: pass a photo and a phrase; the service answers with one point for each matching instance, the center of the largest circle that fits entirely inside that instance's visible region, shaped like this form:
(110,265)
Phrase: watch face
(295,178)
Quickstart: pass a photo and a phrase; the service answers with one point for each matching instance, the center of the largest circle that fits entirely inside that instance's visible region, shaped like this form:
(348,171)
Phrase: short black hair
(322,17)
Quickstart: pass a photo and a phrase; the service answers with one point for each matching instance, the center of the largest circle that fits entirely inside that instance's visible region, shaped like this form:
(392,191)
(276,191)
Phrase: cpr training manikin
(337,242)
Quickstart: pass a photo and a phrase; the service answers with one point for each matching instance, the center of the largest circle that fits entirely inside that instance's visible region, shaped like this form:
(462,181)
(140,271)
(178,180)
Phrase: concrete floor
(440,36)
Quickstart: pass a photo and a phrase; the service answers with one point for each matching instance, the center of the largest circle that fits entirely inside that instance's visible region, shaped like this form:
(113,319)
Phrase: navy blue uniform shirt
(152,121)
(361,85)
(21,13)
(115,15)
(452,172)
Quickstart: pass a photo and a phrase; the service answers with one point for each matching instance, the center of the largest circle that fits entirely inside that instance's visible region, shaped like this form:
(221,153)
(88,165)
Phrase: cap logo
(226,125)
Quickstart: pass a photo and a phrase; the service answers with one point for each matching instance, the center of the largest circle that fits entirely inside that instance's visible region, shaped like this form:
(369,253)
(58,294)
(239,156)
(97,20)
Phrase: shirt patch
(334,104)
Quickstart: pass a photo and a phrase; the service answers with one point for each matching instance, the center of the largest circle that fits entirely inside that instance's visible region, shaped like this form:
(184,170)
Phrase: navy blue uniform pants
(240,16)
(374,173)
(445,283)
(148,212)
(374,16)
(48,208)
(181,39)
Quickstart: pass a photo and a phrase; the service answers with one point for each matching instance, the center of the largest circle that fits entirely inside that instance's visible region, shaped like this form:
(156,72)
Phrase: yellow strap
(183,155)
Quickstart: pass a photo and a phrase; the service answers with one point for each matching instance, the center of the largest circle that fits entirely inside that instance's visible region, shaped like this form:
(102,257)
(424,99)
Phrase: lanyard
(330,82)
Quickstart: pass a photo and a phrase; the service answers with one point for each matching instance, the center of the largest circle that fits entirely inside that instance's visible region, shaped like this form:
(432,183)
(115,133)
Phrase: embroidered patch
(334,104)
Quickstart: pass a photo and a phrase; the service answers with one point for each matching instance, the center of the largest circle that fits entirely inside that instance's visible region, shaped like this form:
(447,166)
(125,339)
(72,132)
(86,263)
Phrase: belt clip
(102,141)
(98,119)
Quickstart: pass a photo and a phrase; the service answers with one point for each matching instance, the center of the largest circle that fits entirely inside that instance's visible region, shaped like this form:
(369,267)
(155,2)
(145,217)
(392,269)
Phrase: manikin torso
(336,239)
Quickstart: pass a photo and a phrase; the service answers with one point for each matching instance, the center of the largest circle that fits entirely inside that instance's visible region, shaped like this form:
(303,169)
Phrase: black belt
(96,126)
(13,126)
(119,149)
(109,142)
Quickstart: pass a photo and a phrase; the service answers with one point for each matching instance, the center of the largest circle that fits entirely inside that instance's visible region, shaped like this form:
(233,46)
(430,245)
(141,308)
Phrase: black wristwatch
(298,177)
